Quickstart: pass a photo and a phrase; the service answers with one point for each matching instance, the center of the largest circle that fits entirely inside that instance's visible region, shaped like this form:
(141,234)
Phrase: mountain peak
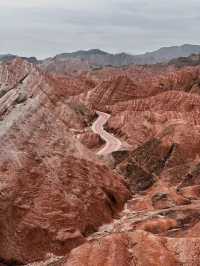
(96,51)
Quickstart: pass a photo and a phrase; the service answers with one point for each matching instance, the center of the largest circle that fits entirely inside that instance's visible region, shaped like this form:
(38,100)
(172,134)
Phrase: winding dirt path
(112,143)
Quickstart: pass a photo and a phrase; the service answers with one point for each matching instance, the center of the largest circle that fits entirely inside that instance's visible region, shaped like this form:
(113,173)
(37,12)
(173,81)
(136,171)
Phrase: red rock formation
(54,192)
(137,248)
(121,85)
(91,140)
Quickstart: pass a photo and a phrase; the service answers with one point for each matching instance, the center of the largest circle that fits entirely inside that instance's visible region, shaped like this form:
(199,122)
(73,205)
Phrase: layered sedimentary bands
(63,201)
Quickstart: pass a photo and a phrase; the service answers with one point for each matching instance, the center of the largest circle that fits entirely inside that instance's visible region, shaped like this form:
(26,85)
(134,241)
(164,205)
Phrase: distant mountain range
(8,57)
(192,60)
(96,57)
(101,58)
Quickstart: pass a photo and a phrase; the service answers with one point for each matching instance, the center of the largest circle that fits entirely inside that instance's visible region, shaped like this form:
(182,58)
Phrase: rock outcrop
(161,167)
(61,205)
(136,248)
(53,191)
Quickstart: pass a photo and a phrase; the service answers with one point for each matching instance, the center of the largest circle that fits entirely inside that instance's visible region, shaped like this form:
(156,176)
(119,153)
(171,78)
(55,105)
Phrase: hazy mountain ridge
(161,55)
(192,60)
(8,57)
(97,57)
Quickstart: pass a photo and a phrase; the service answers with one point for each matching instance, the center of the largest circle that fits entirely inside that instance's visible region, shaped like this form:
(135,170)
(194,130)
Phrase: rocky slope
(161,168)
(49,182)
(62,205)
(116,88)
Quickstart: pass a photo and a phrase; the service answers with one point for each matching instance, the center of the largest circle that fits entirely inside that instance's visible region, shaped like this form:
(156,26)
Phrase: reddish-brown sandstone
(53,191)
(137,248)
(56,193)
(161,123)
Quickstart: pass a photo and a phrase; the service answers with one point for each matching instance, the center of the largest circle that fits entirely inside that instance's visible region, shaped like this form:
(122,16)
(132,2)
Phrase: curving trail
(112,143)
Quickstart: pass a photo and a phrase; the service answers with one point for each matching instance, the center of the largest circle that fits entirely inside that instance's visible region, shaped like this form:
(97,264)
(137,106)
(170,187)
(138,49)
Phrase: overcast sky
(44,28)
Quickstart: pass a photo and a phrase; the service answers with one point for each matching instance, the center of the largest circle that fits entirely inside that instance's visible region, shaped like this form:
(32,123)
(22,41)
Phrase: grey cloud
(122,25)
